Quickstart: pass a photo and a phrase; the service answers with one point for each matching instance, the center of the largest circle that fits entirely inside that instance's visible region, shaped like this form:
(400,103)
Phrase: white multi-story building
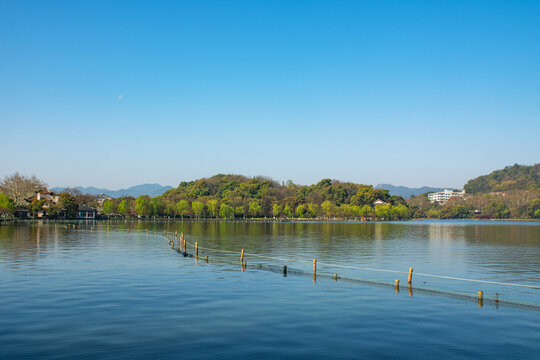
(445,195)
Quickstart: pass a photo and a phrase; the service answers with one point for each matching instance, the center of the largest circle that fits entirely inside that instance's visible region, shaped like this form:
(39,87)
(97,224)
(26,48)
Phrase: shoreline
(254,220)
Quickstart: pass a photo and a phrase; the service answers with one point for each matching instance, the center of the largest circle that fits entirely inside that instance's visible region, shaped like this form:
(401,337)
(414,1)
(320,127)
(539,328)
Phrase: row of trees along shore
(236,196)
(512,192)
(514,204)
(15,190)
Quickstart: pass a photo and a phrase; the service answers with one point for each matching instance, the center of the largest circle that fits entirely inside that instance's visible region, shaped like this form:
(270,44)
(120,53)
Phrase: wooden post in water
(409,280)
(314,266)
(242,257)
(196,249)
(206,258)
(396,283)
(284,269)
(480,298)
(185,252)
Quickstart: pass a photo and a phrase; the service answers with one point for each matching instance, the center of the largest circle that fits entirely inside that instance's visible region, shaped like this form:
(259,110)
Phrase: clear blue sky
(118,93)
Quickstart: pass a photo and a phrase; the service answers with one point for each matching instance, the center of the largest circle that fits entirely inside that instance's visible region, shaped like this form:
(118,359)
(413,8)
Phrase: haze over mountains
(511,177)
(151,190)
(406,192)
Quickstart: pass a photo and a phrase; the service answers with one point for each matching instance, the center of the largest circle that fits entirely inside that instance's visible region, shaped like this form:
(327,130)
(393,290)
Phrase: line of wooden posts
(243,263)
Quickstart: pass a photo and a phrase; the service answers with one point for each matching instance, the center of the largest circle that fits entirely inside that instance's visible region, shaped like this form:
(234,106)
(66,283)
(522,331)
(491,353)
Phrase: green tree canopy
(157,206)
(124,208)
(142,206)
(226,211)
(300,211)
(68,202)
(213,208)
(239,211)
(497,210)
(328,208)
(109,207)
(254,209)
(198,209)
(313,210)
(515,177)
(276,210)
(383,211)
(6,205)
(183,208)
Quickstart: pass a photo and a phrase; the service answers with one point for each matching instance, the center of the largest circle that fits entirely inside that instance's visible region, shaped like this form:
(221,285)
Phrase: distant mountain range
(153,190)
(406,192)
(135,191)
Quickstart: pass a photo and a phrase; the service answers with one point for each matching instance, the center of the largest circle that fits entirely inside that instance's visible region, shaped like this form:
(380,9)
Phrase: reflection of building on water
(38,236)
(378,231)
(445,233)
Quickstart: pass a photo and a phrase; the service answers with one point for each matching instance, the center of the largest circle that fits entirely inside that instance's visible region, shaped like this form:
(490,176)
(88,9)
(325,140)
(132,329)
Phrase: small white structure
(44,195)
(101,198)
(443,196)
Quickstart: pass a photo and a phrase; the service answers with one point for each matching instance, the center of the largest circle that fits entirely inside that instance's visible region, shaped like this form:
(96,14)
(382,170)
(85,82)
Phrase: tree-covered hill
(515,177)
(260,196)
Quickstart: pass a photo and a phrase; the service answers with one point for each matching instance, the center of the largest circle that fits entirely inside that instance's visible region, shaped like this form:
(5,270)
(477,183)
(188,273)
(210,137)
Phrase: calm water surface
(77,294)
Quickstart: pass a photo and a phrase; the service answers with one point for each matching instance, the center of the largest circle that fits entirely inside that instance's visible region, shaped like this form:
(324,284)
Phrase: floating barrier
(225,256)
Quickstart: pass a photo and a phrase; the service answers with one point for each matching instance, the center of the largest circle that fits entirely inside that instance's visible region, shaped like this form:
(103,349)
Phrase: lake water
(116,294)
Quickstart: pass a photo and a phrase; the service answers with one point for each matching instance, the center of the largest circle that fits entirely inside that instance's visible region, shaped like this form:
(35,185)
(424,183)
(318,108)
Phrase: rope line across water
(374,269)
(337,265)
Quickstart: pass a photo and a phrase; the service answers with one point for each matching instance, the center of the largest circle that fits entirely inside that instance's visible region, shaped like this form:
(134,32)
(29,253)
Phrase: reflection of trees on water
(511,250)
(503,234)
(31,241)
(440,247)
(25,242)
